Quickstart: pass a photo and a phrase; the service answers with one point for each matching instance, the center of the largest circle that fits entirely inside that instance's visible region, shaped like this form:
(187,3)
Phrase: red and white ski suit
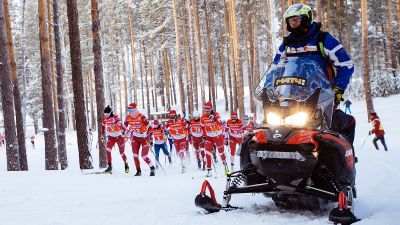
(212,131)
(178,131)
(249,127)
(138,132)
(235,132)
(112,128)
(196,135)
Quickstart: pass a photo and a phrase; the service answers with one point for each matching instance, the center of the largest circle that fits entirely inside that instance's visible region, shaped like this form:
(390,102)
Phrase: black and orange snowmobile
(294,157)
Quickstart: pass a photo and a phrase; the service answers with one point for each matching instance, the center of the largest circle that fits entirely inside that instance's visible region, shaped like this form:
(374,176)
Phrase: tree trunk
(247,40)
(193,56)
(77,82)
(92,114)
(146,80)
(7,98)
(141,78)
(119,82)
(178,56)
(317,7)
(53,74)
(167,79)
(339,19)
(98,76)
(188,63)
(391,38)
(228,56)
(385,51)
(283,23)
(173,80)
(237,57)
(398,29)
(221,57)
(365,69)
(48,112)
(199,52)
(133,52)
(152,73)
(17,95)
(348,32)
(256,67)
(62,152)
(209,51)
(328,15)
(124,73)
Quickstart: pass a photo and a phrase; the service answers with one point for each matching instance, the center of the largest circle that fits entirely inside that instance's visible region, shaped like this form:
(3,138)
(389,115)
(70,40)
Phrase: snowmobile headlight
(273,119)
(298,119)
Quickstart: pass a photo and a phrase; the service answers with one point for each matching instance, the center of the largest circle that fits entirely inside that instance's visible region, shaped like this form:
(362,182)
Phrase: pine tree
(48,112)
(77,81)
(16,91)
(7,98)
(365,69)
(62,152)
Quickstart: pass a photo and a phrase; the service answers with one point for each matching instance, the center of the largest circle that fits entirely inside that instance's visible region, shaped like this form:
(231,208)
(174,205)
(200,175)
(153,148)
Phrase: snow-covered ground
(40,197)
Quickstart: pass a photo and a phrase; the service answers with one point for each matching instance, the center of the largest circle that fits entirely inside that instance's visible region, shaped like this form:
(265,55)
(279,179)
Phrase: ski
(96,172)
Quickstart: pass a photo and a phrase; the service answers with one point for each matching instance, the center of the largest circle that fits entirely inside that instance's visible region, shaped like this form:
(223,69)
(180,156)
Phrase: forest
(62,62)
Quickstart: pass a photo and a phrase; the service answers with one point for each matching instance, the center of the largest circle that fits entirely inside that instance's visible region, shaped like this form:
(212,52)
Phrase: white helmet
(196,113)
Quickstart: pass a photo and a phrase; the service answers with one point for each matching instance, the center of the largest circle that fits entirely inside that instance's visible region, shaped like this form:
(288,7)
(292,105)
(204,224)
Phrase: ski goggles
(107,114)
(294,19)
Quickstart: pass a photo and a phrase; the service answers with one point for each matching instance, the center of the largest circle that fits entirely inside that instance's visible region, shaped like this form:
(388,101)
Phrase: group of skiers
(206,132)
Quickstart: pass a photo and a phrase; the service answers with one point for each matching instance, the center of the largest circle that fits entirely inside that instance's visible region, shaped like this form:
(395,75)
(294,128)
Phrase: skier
(235,132)
(112,131)
(308,41)
(138,131)
(249,125)
(347,103)
(177,128)
(33,141)
(378,130)
(157,134)
(196,138)
(2,140)
(213,135)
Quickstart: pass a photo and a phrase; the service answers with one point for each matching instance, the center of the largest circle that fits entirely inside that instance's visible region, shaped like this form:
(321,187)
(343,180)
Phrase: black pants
(382,139)
(344,124)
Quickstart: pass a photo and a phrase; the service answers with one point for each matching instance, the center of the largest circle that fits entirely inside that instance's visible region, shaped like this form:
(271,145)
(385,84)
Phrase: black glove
(338,95)
(370,132)
(151,143)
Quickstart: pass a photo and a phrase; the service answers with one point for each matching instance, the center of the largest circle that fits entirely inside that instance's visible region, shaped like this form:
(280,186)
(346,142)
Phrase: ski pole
(158,161)
(362,145)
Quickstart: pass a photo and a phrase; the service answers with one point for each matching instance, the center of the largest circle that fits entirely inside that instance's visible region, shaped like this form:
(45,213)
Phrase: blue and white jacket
(332,48)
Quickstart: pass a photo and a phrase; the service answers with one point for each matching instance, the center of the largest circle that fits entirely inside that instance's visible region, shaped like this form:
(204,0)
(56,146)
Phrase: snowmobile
(294,157)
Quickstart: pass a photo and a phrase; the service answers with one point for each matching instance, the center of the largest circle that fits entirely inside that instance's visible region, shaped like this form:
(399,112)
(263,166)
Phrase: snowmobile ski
(210,204)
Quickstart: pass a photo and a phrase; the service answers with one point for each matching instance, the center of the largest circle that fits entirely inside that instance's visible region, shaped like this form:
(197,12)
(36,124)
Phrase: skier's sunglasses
(130,110)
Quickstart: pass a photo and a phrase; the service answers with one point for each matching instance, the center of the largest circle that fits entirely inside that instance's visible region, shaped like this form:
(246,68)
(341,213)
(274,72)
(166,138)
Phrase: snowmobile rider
(307,40)
(138,131)
(212,134)
(112,131)
(378,130)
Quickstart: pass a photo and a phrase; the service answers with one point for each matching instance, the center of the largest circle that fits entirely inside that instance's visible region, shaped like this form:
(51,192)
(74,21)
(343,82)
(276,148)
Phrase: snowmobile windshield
(293,78)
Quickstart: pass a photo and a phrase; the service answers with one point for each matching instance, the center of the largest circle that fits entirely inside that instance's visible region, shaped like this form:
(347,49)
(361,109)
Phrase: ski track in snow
(40,197)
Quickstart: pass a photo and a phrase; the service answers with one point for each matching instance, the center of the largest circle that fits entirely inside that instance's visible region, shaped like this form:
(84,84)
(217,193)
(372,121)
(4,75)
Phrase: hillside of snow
(69,197)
